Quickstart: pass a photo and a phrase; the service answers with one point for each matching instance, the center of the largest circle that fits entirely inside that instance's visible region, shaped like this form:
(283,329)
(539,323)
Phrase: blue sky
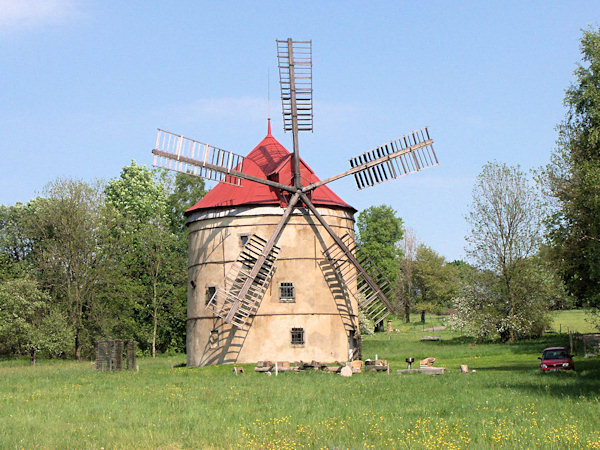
(85,84)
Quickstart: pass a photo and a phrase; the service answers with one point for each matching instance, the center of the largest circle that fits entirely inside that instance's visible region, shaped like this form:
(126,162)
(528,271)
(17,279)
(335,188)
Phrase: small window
(297,336)
(214,339)
(287,292)
(244,238)
(210,291)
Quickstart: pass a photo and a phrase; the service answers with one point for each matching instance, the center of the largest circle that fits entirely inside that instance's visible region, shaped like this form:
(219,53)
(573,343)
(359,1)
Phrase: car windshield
(555,354)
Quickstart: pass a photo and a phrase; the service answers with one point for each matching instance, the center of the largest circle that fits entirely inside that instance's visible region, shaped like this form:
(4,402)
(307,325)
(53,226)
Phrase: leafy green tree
(138,195)
(379,233)
(482,310)
(71,261)
(437,281)
(183,192)
(572,178)
(30,322)
(506,229)
(465,271)
(476,309)
(163,270)
(15,242)
(156,260)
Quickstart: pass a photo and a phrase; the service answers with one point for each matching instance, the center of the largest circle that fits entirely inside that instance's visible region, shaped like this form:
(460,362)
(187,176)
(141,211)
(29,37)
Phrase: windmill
(237,300)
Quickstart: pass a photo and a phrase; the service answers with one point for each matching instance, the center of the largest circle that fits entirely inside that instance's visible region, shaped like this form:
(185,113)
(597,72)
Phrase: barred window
(287,292)
(210,291)
(297,336)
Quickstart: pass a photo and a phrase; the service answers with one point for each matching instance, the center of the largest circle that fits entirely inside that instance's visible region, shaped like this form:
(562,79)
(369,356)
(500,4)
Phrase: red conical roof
(271,160)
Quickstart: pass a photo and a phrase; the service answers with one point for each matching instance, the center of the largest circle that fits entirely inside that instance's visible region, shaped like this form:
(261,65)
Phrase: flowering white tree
(506,230)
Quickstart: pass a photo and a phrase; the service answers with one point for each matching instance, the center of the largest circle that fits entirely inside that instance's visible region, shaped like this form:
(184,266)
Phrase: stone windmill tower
(274,272)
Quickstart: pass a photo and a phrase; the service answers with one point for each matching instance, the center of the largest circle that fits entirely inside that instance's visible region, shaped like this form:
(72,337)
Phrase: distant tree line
(423,281)
(87,261)
(532,247)
(511,284)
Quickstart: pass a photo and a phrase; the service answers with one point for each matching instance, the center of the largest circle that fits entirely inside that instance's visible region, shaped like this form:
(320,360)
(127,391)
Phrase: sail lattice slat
(228,297)
(295,78)
(368,299)
(410,153)
(181,154)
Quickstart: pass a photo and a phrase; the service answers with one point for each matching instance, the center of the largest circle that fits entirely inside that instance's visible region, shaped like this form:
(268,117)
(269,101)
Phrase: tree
(437,282)
(465,271)
(136,194)
(68,227)
(15,243)
(30,322)
(405,279)
(156,257)
(482,310)
(379,232)
(506,229)
(365,325)
(477,310)
(163,270)
(183,192)
(572,178)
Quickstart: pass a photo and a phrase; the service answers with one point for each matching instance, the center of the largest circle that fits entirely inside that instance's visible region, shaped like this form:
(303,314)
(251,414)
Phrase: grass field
(574,320)
(506,403)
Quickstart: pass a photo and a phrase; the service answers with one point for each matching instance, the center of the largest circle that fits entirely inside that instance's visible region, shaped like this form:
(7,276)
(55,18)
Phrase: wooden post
(571,342)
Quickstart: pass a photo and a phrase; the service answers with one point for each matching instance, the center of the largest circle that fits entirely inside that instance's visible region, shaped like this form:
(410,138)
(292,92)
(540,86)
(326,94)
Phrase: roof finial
(269,100)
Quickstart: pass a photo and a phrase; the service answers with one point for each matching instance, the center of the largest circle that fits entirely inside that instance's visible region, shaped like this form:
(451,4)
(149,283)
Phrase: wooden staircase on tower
(240,274)
(368,299)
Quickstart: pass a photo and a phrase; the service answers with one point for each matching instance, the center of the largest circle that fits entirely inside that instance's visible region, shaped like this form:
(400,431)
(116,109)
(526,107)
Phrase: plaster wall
(327,317)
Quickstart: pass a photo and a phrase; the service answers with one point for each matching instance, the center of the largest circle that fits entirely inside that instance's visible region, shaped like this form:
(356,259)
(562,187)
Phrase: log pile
(298,366)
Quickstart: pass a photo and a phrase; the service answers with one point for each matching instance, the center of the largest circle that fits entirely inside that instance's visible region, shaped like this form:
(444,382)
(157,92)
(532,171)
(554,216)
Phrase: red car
(556,358)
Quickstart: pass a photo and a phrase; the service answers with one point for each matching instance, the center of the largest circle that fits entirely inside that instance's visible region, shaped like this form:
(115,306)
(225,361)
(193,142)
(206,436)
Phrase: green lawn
(576,320)
(506,403)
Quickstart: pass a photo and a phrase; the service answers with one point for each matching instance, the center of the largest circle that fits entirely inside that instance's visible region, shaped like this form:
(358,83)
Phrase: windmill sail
(181,154)
(369,300)
(408,154)
(341,255)
(295,78)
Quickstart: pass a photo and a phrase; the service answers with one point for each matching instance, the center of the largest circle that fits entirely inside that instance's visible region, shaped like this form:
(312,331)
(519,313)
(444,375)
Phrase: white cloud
(19,14)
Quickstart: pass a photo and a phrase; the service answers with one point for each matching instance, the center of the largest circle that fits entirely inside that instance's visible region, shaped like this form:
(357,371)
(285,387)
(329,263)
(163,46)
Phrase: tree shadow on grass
(523,347)
(525,367)
(584,381)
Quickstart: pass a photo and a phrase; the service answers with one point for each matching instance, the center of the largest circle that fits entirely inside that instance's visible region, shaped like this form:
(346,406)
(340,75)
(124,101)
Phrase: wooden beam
(261,259)
(230,172)
(372,284)
(365,166)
